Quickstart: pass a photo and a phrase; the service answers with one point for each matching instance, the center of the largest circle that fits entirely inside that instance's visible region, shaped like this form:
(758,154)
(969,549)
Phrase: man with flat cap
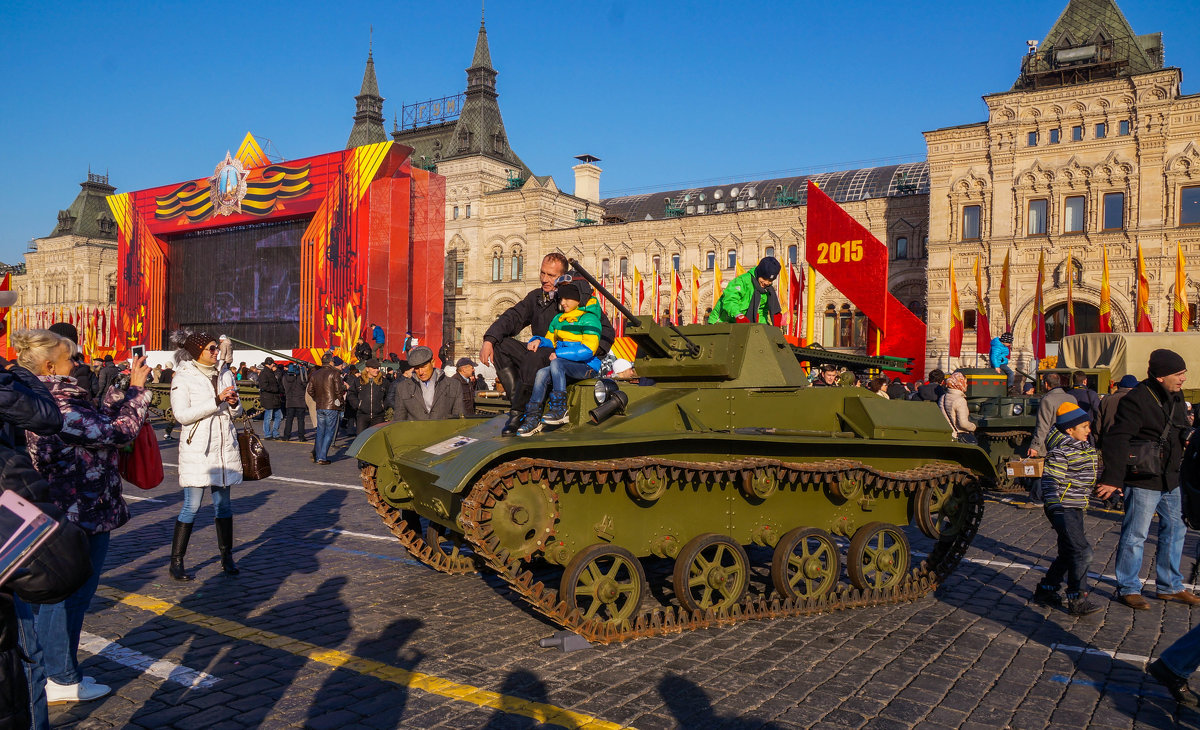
(464,373)
(1142,453)
(751,297)
(427,395)
(516,365)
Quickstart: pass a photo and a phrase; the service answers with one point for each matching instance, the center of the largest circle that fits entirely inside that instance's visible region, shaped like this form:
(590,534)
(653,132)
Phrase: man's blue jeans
(327,423)
(1140,507)
(59,624)
(272,420)
(1183,656)
(559,371)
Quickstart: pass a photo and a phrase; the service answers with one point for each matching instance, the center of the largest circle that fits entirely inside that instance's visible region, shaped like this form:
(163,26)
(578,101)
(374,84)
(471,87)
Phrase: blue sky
(663,92)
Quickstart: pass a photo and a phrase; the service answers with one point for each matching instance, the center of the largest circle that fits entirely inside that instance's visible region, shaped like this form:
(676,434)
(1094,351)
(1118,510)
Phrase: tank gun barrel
(857,363)
(693,348)
(253,346)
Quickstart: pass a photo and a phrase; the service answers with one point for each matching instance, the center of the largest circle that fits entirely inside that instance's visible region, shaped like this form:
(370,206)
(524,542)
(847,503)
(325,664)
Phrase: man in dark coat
(368,395)
(1108,406)
(464,373)
(428,395)
(107,376)
(58,567)
(1151,414)
(270,392)
(1088,399)
(516,365)
(82,372)
(328,391)
(934,389)
(294,405)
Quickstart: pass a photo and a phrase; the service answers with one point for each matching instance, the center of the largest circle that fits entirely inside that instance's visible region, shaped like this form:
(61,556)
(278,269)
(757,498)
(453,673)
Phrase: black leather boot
(179,543)
(224,527)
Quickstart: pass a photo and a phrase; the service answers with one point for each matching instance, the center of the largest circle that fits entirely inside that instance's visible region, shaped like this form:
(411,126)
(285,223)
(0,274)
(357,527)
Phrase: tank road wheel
(939,509)
(604,582)
(523,519)
(712,571)
(443,543)
(878,556)
(806,564)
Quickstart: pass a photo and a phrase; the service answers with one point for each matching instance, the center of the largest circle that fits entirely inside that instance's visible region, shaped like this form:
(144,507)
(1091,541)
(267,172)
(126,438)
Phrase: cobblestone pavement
(330,625)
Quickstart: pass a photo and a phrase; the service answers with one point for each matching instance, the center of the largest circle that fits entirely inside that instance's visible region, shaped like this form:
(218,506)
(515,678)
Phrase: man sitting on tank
(751,296)
(516,365)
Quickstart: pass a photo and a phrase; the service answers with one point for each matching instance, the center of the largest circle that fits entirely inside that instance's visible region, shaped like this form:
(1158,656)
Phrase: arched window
(844,327)
(902,247)
(1087,319)
(656,261)
(730,259)
(623,266)
(605,269)
(675,261)
(497,265)
(793,252)
(769,251)
(829,331)
(516,268)
(710,260)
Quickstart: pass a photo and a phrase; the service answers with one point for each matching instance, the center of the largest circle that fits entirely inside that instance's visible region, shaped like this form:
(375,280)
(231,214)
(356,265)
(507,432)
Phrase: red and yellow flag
(956,318)
(695,295)
(1070,295)
(1039,312)
(676,290)
(639,289)
(1179,317)
(795,292)
(620,326)
(657,295)
(5,285)
(983,332)
(1142,316)
(1005,294)
(1105,297)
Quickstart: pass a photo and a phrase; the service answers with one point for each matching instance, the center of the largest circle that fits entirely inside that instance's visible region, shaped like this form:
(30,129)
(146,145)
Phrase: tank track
(1007,484)
(922,579)
(451,563)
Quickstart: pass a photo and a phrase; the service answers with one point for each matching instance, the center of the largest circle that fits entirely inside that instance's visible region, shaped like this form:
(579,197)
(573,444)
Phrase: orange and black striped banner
(263,193)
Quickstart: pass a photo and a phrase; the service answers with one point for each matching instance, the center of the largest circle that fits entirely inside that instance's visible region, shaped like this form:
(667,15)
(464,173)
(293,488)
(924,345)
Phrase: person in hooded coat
(205,402)
(751,296)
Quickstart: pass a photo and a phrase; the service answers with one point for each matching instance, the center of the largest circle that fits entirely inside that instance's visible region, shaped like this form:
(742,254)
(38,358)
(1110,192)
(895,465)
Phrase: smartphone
(23,528)
(138,351)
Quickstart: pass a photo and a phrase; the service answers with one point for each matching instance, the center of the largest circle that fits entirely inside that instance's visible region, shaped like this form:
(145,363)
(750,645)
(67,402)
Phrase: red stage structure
(300,255)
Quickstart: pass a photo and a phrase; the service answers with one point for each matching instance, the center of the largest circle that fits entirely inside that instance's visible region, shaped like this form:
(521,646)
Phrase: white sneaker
(84,691)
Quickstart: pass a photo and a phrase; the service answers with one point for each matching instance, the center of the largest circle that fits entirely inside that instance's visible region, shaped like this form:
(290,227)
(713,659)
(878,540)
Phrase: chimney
(587,178)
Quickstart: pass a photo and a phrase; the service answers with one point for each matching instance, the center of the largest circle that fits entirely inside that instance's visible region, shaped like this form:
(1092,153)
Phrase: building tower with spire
(368,114)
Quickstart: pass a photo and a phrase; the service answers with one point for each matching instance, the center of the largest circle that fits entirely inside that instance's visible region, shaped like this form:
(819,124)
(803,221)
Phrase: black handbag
(256,462)
(1148,458)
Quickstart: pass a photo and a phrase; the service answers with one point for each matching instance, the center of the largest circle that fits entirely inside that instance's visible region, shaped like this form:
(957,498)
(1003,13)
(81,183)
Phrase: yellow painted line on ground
(539,711)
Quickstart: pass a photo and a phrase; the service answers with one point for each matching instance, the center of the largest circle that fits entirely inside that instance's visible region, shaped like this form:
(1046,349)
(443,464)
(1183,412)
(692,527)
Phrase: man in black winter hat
(1142,453)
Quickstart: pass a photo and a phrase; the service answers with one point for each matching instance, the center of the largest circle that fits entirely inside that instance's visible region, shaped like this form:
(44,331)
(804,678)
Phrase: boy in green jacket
(751,297)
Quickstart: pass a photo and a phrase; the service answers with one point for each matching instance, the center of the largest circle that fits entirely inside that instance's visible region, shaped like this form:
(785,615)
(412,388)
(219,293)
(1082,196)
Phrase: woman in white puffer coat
(204,401)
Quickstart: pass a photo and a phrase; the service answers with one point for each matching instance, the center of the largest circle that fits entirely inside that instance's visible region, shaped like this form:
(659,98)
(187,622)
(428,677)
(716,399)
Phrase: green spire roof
(483,57)
(368,114)
(89,215)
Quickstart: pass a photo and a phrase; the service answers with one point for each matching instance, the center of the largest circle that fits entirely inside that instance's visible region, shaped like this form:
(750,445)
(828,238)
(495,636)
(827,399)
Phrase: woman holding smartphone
(204,401)
(80,465)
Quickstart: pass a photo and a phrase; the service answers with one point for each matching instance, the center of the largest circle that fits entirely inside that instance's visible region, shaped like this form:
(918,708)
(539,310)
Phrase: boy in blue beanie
(1068,481)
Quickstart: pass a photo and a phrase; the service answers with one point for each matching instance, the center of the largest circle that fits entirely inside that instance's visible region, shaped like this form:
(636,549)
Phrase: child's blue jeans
(557,374)
(1074,550)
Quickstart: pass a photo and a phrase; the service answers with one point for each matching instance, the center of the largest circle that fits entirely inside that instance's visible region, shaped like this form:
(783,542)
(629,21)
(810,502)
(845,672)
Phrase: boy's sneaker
(531,425)
(1080,605)
(1046,596)
(556,408)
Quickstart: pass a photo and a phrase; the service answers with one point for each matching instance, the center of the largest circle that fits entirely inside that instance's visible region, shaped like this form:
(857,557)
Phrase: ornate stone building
(1093,148)
(74,268)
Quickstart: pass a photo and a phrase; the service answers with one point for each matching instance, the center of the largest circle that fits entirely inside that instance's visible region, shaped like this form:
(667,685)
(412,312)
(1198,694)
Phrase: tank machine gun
(726,449)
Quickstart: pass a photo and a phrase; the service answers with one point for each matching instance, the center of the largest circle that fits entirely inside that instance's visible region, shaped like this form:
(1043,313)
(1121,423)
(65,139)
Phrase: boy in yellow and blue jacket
(575,335)
(1068,481)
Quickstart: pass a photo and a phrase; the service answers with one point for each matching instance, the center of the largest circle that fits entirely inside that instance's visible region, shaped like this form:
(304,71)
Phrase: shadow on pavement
(691,707)
(388,702)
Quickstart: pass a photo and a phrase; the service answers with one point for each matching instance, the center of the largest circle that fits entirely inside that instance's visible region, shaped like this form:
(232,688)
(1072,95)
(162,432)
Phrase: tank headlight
(614,403)
(1017,410)
(605,387)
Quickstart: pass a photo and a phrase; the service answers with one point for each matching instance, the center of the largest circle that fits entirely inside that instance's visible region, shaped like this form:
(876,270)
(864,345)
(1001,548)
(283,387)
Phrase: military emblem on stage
(227,186)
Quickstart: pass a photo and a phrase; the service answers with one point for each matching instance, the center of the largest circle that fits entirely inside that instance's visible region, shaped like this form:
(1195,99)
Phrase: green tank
(741,491)
(1003,423)
(160,399)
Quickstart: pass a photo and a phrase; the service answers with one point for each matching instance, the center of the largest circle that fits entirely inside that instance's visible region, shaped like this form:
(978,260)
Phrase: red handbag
(142,465)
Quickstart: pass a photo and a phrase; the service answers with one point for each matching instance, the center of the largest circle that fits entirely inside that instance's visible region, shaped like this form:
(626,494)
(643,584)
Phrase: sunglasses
(212,348)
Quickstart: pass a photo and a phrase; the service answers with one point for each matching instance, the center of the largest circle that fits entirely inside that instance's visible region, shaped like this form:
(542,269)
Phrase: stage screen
(243,281)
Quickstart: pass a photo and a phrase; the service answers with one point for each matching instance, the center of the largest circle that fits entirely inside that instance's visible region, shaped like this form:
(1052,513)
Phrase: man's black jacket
(536,311)
(1141,416)
(930,391)
(270,390)
(85,377)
